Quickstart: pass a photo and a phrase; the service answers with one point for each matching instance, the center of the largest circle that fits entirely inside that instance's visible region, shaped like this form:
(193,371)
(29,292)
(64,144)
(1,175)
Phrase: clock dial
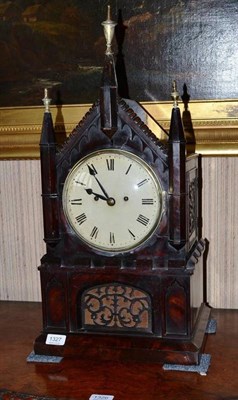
(113,200)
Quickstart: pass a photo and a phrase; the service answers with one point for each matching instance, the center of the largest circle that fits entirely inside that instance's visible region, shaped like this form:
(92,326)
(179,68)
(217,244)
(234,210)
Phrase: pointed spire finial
(109,28)
(175,94)
(46,101)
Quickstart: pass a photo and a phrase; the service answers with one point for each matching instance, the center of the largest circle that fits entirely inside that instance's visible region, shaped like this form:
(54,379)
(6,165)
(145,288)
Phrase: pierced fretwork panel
(116,307)
(192,205)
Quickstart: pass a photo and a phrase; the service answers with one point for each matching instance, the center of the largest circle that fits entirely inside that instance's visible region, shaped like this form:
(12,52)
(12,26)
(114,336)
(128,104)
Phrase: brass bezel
(211,126)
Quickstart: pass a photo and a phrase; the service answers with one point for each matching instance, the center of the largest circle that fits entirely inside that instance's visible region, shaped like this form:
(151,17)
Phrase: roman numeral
(112,238)
(81,218)
(143,220)
(76,202)
(132,234)
(80,183)
(147,201)
(142,182)
(94,232)
(110,164)
(128,169)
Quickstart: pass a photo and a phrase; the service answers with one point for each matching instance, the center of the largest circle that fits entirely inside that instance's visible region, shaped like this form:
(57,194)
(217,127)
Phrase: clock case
(143,305)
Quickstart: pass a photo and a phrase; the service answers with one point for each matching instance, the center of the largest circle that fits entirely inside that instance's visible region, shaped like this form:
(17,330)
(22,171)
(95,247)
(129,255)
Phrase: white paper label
(101,397)
(55,340)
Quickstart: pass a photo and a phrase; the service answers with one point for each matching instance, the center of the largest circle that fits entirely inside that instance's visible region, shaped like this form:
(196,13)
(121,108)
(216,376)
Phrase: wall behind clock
(22,246)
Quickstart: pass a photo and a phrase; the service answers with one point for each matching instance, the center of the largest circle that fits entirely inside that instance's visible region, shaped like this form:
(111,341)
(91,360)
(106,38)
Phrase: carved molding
(211,126)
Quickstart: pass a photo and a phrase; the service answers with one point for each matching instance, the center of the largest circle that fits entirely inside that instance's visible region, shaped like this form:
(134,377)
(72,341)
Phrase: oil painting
(59,44)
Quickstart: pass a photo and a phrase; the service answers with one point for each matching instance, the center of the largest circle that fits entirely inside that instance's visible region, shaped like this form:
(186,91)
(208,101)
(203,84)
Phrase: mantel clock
(122,277)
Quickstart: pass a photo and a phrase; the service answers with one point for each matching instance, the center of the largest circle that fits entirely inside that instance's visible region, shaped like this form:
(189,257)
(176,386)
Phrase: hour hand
(97,195)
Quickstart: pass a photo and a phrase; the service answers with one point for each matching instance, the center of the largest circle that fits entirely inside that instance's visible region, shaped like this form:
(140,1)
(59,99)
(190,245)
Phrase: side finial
(46,101)
(175,94)
(109,28)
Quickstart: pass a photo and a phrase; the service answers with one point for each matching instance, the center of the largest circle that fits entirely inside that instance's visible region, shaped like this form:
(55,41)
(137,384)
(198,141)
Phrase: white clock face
(113,200)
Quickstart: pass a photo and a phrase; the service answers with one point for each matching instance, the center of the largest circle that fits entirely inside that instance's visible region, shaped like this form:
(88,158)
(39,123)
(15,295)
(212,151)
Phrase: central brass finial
(109,28)
(46,101)
(175,94)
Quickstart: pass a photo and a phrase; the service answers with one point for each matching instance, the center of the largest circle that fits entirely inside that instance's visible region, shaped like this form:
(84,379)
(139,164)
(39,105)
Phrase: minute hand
(92,172)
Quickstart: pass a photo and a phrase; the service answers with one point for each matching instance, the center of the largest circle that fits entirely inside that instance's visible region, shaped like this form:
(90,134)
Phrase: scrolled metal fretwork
(116,307)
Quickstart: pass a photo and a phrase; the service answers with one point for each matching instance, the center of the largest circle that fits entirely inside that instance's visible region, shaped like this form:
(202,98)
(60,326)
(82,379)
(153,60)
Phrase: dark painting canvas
(59,44)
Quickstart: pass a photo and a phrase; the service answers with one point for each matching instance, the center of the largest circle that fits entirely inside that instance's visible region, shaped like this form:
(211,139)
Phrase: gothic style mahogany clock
(122,277)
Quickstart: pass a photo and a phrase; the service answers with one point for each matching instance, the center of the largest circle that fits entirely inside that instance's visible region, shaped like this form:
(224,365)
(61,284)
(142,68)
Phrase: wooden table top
(20,324)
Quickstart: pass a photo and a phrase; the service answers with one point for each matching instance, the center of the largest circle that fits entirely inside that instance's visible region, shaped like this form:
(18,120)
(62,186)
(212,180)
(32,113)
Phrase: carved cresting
(116,306)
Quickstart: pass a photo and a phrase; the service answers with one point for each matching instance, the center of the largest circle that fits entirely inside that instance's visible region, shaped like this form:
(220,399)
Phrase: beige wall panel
(220,227)
(21,244)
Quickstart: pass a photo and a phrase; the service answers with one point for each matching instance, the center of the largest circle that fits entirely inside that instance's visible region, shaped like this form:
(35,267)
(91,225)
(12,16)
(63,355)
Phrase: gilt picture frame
(195,43)
(211,127)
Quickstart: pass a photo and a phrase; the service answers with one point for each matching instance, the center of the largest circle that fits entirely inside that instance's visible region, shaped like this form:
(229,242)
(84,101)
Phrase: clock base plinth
(131,348)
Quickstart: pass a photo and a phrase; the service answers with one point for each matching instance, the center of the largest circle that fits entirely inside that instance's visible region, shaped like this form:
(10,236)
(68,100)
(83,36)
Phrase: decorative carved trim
(211,126)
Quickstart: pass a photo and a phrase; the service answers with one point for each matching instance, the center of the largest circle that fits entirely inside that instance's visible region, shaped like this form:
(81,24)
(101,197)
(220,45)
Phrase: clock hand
(110,200)
(89,191)
(93,173)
